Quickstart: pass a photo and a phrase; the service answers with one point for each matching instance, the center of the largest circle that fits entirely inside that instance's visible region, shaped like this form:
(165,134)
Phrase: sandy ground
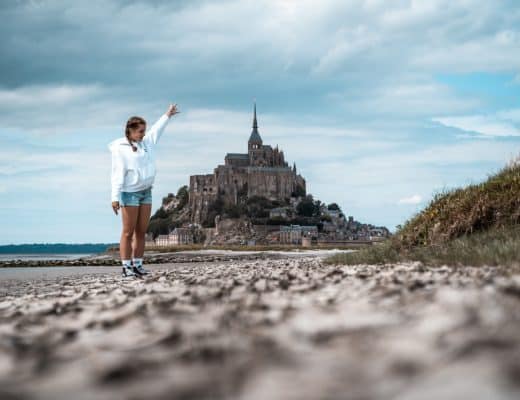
(293,328)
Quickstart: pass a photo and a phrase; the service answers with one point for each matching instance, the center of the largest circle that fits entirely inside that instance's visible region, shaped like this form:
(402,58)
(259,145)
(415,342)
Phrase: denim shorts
(136,198)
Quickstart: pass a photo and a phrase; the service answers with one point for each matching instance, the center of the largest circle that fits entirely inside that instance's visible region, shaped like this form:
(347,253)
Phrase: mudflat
(287,328)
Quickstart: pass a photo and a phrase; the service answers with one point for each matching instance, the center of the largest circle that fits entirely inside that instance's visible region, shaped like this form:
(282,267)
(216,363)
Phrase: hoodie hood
(114,143)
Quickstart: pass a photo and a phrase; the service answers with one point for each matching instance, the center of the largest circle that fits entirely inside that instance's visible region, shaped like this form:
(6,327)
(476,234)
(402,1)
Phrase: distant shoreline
(42,256)
(203,255)
(54,248)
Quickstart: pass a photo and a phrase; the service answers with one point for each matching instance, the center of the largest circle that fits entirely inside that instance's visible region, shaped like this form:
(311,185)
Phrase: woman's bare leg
(143,218)
(129,214)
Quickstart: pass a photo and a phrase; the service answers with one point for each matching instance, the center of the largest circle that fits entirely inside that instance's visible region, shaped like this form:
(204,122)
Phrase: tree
(166,199)
(217,205)
(306,207)
(258,206)
(276,203)
(234,210)
(299,191)
(215,208)
(183,195)
(159,214)
(159,226)
(333,206)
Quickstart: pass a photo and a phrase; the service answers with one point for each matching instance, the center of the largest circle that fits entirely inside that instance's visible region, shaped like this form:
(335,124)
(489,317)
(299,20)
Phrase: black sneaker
(140,270)
(127,271)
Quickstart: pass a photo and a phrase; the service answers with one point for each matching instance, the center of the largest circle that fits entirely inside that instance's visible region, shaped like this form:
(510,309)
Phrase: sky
(381,104)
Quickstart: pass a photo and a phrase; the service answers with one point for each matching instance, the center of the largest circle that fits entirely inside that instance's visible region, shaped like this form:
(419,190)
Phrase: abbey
(262,171)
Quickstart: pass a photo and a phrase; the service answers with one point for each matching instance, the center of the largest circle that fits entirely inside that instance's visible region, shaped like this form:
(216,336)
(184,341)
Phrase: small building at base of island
(176,237)
(181,236)
(293,234)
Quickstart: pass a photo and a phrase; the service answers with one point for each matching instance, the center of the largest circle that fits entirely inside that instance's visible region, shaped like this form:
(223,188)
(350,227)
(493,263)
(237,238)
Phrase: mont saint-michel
(262,171)
(255,197)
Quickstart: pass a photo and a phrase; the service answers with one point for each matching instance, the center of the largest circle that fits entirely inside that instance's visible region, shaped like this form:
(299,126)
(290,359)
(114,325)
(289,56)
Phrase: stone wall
(229,182)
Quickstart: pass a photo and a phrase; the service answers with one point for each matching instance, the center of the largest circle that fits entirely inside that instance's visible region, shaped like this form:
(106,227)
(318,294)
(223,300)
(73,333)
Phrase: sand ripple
(264,329)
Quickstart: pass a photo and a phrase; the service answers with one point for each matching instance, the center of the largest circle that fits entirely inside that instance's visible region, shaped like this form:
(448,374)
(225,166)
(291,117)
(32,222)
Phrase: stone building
(280,212)
(162,240)
(181,236)
(176,237)
(293,234)
(261,171)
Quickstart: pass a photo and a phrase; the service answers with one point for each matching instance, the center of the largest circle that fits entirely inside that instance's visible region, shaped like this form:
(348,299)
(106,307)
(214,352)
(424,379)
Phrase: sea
(43,256)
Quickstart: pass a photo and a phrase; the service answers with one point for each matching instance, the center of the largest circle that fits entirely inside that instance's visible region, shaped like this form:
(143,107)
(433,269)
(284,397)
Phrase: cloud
(375,54)
(415,199)
(499,124)
(380,174)
(412,99)
(46,111)
(37,95)
(347,89)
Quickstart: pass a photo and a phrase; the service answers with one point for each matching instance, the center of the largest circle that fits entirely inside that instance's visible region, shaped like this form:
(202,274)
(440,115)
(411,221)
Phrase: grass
(500,246)
(476,225)
(491,204)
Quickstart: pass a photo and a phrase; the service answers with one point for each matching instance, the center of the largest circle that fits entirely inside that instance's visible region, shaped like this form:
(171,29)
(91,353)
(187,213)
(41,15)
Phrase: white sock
(127,263)
(137,261)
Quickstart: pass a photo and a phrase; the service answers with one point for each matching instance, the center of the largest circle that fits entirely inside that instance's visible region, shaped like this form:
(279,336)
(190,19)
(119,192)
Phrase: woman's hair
(133,122)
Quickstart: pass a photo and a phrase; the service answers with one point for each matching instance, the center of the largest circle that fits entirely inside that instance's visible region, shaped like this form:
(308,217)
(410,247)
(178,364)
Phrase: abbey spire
(255,136)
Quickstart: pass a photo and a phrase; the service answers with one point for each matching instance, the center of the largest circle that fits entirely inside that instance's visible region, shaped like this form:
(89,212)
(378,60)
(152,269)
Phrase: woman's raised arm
(156,130)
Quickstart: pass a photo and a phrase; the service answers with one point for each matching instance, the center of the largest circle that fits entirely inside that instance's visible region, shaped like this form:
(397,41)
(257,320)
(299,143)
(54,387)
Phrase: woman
(133,174)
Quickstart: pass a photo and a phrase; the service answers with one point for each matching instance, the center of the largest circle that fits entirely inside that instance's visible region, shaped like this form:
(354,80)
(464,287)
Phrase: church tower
(255,141)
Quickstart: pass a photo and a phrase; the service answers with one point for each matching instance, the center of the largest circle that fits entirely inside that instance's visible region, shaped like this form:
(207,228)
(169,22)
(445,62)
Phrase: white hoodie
(134,171)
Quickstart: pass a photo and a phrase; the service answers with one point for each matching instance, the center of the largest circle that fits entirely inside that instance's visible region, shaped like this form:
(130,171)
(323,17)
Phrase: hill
(257,219)
(475,225)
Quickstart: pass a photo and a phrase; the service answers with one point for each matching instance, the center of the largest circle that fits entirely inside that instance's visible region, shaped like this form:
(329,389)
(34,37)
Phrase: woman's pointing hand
(172,110)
